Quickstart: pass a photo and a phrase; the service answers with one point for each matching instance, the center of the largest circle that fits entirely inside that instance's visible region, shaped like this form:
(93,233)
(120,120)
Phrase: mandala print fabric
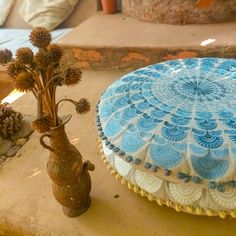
(179,115)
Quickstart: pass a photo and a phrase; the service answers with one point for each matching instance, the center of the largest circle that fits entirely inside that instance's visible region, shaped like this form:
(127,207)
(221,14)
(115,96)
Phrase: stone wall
(181,11)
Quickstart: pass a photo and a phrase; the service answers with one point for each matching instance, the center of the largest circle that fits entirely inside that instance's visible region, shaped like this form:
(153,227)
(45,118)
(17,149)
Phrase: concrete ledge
(118,42)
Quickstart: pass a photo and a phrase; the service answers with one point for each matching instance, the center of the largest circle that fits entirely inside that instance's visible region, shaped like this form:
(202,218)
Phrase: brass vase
(71,183)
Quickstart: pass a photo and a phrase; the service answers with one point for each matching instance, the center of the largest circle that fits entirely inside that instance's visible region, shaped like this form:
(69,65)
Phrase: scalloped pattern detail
(213,210)
(185,194)
(122,167)
(227,199)
(209,167)
(148,182)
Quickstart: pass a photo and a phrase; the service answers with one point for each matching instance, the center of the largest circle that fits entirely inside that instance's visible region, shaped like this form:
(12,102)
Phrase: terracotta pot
(109,6)
(71,181)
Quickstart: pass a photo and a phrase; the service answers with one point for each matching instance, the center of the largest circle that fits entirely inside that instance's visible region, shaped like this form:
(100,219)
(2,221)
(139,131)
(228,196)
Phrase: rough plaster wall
(181,11)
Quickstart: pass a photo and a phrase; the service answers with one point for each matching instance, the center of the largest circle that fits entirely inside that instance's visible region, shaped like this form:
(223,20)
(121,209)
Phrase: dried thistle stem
(39,104)
(55,118)
(65,100)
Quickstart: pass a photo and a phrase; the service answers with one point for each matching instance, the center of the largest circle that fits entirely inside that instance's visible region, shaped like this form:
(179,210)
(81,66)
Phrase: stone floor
(27,206)
(116,41)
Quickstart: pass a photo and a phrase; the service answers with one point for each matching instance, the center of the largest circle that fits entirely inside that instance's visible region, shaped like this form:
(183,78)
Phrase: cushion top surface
(178,115)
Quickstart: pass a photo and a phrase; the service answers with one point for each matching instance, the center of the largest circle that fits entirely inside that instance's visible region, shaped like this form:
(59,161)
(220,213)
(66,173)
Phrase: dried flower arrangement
(41,73)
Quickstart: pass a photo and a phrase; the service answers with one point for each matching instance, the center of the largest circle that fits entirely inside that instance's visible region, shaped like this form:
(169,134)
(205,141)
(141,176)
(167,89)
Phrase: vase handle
(88,165)
(44,144)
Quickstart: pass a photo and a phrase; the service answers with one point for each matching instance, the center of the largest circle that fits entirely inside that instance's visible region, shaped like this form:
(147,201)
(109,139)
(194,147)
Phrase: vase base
(74,212)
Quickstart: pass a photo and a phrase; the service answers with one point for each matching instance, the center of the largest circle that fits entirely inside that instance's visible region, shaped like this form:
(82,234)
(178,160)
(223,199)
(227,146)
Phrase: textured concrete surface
(118,42)
(181,11)
(27,206)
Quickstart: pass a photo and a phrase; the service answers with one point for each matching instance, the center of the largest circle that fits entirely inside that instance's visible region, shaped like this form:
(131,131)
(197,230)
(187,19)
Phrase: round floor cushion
(169,131)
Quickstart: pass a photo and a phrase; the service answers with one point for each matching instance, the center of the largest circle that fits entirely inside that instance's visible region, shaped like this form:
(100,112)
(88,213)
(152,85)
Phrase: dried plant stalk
(41,73)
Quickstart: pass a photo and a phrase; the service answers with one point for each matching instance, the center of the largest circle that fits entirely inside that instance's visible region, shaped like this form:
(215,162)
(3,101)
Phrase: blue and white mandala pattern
(180,115)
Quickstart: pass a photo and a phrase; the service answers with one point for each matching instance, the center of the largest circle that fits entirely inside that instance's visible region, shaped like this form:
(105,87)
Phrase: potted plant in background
(109,6)
(41,73)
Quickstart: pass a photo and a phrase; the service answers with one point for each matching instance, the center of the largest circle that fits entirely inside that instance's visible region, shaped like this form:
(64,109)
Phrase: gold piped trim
(151,197)
(233,214)
(123,180)
(135,189)
(209,212)
(159,201)
(190,209)
(178,207)
(113,172)
(199,211)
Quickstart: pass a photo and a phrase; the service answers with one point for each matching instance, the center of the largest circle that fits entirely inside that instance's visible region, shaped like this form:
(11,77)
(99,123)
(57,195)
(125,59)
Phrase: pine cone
(10,121)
